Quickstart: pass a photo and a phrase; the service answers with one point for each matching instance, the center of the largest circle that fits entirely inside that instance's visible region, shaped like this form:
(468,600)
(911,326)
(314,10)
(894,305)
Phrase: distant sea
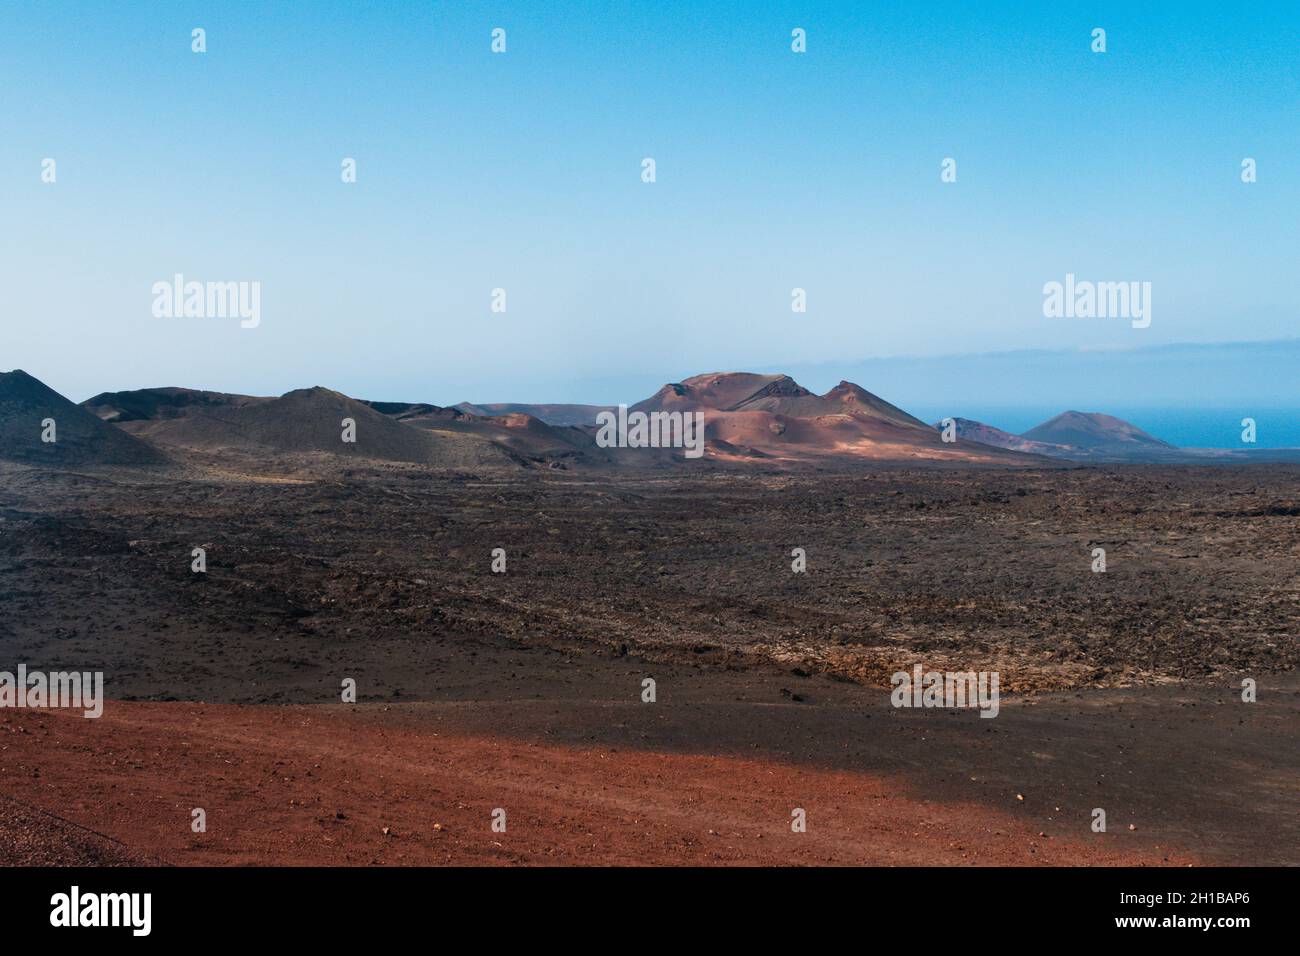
(1184,427)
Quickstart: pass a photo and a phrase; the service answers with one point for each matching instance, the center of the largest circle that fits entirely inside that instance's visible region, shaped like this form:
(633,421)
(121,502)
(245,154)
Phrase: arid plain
(522,691)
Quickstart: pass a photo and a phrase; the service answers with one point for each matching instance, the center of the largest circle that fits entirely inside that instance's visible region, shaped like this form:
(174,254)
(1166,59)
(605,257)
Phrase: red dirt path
(319,786)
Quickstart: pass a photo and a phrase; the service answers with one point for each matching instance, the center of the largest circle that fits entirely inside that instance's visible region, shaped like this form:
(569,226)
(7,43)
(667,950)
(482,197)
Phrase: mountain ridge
(768,420)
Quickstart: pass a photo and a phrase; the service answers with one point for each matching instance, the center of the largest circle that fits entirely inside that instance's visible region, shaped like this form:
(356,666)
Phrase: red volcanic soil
(378,784)
(30,836)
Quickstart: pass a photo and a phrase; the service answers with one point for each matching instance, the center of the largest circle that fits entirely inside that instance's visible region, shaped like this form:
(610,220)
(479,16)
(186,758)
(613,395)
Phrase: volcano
(1094,432)
(970,430)
(27,406)
(146,404)
(773,417)
(311,421)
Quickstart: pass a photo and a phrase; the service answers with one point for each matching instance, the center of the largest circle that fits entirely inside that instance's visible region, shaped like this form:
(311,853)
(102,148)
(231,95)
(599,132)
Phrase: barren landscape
(461,459)
(522,689)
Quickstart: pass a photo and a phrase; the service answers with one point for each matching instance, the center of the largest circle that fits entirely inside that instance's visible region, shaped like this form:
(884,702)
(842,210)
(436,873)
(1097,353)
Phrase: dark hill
(1093,431)
(81,438)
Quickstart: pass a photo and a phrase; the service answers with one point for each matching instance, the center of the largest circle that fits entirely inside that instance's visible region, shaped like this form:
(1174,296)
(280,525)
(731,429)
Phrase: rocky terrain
(480,685)
(984,570)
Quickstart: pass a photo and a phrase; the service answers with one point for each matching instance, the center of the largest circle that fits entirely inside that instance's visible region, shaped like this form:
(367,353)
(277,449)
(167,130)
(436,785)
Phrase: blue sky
(522,171)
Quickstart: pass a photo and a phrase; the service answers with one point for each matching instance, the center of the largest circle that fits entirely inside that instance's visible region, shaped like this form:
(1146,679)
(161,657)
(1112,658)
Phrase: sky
(522,171)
